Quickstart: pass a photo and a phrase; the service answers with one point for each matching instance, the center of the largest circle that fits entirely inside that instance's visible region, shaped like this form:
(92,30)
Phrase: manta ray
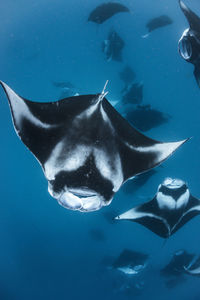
(168,211)
(112,46)
(176,266)
(105,11)
(130,262)
(174,271)
(86,149)
(133,93)
(156,23)
(144,117)
(189,43)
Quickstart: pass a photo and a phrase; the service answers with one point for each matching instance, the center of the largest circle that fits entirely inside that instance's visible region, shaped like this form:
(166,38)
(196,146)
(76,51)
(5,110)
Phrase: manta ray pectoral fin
(188,215)
(193,19)
(41,125)
(138,152)
(149,156)
(151,221)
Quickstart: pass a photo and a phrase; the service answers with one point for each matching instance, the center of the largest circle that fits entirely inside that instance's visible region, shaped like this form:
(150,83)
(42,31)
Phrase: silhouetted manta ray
(176,266)
(105,11)
(156,23)
(130,262)
(170,209)
(174,271)
(86,149)
(112,46)
(189,43)
(145,118)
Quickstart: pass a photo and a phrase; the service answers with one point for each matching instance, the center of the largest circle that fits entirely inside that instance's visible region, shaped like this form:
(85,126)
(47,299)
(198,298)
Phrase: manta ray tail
(197,75)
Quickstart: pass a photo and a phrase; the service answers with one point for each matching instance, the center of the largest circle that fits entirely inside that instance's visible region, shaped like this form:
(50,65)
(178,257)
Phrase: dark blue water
(48,252)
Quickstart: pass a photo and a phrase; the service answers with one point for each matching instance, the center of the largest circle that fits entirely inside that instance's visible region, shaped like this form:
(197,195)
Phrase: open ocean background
(46,251)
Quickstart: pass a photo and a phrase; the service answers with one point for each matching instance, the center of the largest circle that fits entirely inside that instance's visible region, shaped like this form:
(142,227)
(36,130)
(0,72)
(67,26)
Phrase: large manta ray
(170,209)
(189,43)
(105,11)
(86,149)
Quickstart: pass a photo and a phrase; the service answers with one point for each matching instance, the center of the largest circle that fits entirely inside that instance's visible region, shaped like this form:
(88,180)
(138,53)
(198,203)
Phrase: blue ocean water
(48,252)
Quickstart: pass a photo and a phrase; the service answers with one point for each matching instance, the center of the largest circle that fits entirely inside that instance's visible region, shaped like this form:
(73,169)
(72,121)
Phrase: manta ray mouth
(81,199)
(185,48)
(173,183)
(82,193)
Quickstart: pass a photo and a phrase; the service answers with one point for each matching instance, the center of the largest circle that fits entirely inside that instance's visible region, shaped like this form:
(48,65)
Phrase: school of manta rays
(85,165)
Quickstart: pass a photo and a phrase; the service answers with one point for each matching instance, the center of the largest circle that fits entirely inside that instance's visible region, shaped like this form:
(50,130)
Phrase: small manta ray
(127,75)
(105,11)
(170,209)
(112,47)
(130,262)
(145,118)
(86,149)
(156,23)
(133,94)
(174,271)
(189,43)
(176,266)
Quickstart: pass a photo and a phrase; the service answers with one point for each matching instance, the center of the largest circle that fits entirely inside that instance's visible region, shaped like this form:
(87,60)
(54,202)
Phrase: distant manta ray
(86,149)
(105,11)
(171,208)
(156,23)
